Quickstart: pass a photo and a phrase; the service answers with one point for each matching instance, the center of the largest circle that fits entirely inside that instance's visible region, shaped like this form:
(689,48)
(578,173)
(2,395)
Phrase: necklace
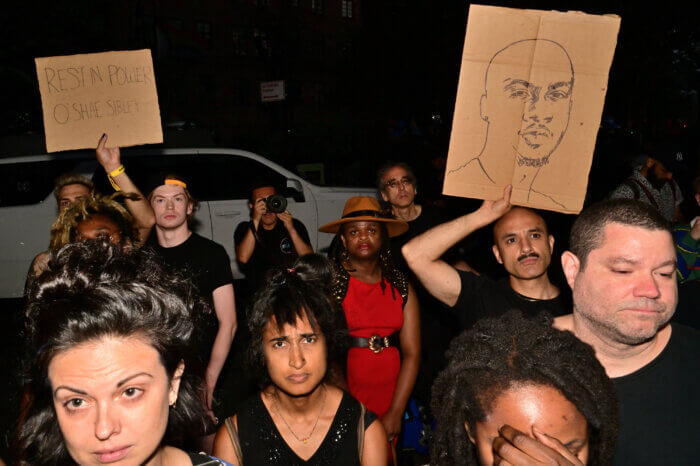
(279,413)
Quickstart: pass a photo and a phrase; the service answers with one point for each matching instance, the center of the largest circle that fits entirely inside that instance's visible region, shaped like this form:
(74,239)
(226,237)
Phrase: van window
(209,177)
(27,183)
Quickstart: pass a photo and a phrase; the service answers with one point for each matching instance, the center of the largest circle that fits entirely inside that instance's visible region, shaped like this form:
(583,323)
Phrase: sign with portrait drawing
(529,103)
(84,96)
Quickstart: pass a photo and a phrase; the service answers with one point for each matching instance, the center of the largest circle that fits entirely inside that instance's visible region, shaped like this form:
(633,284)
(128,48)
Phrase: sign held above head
(84,96)
(529,103)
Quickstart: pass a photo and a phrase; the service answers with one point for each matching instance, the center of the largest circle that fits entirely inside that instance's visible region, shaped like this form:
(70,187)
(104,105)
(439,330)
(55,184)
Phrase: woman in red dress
(381,310)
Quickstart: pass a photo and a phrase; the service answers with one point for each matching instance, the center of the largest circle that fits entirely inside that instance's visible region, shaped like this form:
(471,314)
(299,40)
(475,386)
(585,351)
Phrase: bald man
(527,102)
(522,245)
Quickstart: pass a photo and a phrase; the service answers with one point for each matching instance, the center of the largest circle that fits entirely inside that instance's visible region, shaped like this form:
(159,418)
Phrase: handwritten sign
(529,103)
(83,96)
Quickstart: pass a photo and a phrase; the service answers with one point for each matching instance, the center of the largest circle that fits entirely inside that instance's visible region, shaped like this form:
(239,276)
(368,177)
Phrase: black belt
(375,342)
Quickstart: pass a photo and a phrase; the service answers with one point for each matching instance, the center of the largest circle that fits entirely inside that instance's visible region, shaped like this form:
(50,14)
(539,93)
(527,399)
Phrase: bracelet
(117,171)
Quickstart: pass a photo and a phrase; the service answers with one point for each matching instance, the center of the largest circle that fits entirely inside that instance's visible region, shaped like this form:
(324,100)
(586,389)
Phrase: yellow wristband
(113,183)
(117,171)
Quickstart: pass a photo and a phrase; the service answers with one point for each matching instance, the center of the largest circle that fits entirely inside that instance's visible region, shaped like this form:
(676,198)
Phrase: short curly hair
(64,229)
(498,353)
(91,290)
(289,294)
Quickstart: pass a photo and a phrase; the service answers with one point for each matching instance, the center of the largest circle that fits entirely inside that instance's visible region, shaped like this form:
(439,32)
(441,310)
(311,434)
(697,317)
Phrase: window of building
(239,39)
(317,6)
(262,42)
(346,8)
(203,29)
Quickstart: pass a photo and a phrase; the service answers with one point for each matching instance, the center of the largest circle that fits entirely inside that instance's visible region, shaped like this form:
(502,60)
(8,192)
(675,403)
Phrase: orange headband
(177,182)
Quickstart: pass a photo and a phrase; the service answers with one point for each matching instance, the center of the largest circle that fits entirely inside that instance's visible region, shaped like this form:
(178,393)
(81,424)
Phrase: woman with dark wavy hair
(299,417)
(109,376)
(518,391)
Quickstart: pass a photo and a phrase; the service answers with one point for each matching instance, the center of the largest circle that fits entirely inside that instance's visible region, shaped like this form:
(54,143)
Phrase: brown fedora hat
(365,209)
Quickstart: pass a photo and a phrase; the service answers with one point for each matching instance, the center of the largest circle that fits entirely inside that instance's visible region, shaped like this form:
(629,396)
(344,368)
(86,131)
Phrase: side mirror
(295,190)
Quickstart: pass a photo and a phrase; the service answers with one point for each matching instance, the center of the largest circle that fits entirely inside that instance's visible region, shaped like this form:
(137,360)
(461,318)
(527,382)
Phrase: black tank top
(262,444)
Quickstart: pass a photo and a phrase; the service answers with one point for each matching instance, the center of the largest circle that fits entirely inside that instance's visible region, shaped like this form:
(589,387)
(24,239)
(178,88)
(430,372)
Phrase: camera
(276,203)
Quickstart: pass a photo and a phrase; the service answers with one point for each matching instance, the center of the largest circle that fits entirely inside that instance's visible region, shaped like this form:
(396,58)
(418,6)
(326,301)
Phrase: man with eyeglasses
(396,183)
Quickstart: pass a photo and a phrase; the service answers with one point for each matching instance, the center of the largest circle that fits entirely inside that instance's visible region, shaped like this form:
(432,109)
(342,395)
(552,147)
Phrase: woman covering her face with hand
(299,417)
(110,337)
(518,391)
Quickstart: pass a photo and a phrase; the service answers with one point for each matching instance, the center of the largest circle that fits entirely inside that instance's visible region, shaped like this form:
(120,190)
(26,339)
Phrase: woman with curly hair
(380,308)
(299,416)
(518,391)
(109,374)
(91,217)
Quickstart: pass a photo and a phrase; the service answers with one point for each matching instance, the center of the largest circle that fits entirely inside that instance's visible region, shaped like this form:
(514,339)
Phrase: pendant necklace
(279,413)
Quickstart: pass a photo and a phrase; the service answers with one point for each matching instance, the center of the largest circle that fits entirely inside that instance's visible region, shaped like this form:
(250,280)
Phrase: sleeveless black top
(262,444)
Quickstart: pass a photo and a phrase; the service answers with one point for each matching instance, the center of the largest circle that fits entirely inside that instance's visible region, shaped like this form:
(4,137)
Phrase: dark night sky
(405,67)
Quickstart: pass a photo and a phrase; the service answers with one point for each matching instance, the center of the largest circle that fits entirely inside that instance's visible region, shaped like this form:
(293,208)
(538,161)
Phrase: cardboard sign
(83,96)
(529,103)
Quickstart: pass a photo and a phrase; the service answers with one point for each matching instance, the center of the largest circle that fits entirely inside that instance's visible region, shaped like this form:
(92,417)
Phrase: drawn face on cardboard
(529,106)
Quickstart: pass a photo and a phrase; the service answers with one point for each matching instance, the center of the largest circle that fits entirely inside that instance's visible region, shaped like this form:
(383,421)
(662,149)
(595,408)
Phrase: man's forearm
(432,244)
(244,250)
(219,353)
(141,208)
(300,246)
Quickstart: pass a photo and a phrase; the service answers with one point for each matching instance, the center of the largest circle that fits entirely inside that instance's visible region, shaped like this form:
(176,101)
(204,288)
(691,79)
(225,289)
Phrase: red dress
(372,376)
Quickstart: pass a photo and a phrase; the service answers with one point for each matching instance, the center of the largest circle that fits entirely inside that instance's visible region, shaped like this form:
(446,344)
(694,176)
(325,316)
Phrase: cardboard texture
(529,103)
(83,96)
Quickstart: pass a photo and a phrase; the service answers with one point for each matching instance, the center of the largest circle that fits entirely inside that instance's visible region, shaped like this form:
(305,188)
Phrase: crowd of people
(131,315)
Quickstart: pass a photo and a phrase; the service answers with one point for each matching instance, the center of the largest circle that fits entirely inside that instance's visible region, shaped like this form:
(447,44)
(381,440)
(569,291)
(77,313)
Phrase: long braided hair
(340,258)
(499,353)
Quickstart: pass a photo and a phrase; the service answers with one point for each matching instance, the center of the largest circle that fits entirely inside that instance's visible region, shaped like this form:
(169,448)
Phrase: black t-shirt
(660,406)
(437,326)
(208,265)
(482,297)
(274,248)
(429,217)
(206,260)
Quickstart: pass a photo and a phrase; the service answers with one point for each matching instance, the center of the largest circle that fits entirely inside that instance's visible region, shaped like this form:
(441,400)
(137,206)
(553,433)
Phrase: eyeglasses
(394,183)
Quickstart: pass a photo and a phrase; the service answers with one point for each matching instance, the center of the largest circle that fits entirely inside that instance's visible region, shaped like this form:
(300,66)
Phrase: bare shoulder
(223,446)
(41,260)
(375,450)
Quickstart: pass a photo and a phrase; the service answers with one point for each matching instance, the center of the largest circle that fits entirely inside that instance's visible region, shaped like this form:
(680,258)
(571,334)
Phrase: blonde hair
(71,178)
(64,229)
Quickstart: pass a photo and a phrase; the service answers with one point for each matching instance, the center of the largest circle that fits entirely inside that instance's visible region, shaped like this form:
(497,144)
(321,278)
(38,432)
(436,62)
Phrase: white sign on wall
(272,91)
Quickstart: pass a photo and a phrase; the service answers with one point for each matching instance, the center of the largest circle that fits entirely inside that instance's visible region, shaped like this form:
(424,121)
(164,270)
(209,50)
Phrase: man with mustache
(527,102)
(621,268)
(521,243)
(652,182)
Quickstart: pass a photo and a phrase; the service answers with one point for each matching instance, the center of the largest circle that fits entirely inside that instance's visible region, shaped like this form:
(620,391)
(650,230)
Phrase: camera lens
(276,203)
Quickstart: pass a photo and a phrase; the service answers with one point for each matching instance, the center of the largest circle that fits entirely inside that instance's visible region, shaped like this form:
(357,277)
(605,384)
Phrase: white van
(218,178)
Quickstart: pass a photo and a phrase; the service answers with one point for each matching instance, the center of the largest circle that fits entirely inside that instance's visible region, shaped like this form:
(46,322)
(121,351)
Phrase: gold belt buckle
(377,343)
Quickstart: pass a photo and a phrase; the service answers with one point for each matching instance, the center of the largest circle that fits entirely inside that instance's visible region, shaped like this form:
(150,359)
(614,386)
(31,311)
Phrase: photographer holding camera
(271,237)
